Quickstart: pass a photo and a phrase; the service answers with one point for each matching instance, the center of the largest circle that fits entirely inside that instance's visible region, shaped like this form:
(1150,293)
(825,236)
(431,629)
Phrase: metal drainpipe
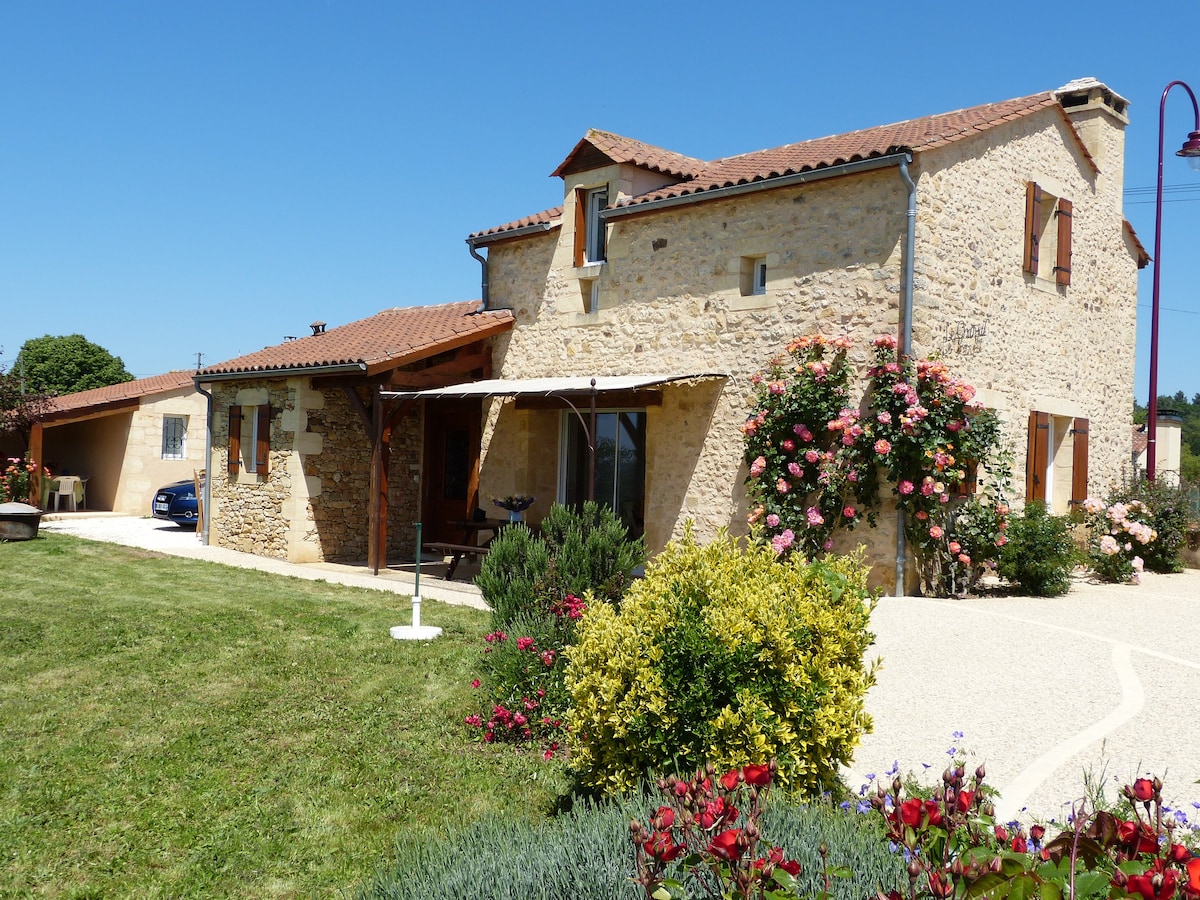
(483,289)
(905,349)
(206,500)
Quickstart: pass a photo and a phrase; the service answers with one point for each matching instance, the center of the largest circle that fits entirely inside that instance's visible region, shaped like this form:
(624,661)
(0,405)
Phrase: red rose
(933,813)
(910,812)
(791,867)
(1179,853)
(759,776)
(664,818)
(964,800)
(1019,845)
(1001,833)
(725,845)
(1037,832)
(1143,789)
(1193,873)
(1137,838)
(730,779)
(660,846)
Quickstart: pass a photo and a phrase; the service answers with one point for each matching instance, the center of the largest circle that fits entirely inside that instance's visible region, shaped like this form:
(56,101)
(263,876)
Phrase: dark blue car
(177,503)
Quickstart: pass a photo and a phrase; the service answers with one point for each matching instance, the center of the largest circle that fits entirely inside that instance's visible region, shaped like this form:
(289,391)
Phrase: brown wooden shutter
(262,449)
(580,227)
(1033,226)
(1079,462)
(1062,268)
(235,440)
(1036,456)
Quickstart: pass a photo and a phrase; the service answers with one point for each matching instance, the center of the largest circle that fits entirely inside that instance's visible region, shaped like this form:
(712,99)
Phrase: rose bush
(1118,534)
(815,458)
(809,456)
(710,828)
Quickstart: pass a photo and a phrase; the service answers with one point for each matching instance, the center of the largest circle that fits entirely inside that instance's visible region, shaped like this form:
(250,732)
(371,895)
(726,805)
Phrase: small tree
(19,407)
(68,363)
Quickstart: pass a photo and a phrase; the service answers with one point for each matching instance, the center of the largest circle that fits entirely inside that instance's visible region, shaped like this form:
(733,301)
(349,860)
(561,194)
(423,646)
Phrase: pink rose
(849,512)
(935,531)
(882,447)
(772,520)
(906,487)
(795,469)
(757,467)
(812,456)
(782,486)
(789,445)
(814,516)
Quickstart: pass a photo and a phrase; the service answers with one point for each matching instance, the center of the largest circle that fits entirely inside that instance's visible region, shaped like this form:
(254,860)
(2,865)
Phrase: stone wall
(670,302)
(312,505)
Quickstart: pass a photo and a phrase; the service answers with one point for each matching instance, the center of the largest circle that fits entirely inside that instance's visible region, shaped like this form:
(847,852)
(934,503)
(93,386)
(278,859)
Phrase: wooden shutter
(1036,456)
(1062,268)
(235,440)
(1033,226)
(1079,462)
(580,227)
(262,448)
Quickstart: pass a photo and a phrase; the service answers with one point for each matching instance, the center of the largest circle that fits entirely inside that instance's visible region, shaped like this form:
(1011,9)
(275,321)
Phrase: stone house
(993,236)
(127,440)
(308,460)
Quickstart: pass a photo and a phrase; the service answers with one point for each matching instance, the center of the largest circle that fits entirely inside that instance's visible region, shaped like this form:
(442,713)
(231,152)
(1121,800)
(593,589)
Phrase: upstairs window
(589,227)
(1048,219)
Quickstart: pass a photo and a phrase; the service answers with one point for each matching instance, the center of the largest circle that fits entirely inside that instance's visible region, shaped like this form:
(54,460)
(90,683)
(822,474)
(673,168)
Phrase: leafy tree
(65,364)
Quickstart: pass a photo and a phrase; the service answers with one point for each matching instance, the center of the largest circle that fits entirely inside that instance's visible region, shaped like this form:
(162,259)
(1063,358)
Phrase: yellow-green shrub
(723,655)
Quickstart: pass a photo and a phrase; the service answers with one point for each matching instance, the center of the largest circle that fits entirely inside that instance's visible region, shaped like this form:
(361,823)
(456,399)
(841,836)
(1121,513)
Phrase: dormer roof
(603,148)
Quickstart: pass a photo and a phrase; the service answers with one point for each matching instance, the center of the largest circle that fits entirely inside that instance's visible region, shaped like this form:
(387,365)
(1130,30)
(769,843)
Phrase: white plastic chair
(66,488)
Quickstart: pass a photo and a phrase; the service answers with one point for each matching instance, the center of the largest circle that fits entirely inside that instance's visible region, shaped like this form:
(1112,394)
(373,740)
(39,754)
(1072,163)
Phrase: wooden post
(35,454)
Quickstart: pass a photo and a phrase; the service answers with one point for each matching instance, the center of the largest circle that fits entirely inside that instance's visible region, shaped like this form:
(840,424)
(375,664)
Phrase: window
(174,437)
(589,227)
(1056,463)
(753,275)
(589,291)
(249,439)
(1048,219)
(620,464)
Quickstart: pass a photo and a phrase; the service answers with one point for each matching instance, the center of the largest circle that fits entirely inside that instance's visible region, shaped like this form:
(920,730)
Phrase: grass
(174,728)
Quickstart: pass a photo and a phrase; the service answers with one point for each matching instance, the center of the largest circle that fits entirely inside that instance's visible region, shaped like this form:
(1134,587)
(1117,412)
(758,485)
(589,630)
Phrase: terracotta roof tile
(915,135)
(126,390)
(1140,440)
(1143,257)
(626,150)
(380,342)
(549,217)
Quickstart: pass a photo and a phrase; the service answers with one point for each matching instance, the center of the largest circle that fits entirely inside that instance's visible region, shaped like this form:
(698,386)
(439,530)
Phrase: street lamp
(1191,151)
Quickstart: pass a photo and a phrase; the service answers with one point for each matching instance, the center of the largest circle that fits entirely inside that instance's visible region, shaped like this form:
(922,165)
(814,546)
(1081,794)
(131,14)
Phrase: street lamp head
(1191,150)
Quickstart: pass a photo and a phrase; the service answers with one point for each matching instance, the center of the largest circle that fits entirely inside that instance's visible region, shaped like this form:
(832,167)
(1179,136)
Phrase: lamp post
(1191,151)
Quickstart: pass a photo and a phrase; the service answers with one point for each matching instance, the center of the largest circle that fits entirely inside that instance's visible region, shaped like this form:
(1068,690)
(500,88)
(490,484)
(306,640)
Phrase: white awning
(580,385)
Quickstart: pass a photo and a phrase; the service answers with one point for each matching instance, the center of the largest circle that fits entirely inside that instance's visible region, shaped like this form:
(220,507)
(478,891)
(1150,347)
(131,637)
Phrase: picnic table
(472,531)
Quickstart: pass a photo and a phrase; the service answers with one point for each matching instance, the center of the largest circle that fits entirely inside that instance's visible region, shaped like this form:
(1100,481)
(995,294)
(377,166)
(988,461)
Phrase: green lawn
(172,728)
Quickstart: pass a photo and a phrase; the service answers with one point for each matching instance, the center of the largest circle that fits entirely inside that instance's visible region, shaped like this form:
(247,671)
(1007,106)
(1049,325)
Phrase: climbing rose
(906,487)
(882,447)
(935,531)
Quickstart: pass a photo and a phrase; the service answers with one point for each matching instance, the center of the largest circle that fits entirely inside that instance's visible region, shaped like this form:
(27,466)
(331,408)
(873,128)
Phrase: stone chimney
(1099,115)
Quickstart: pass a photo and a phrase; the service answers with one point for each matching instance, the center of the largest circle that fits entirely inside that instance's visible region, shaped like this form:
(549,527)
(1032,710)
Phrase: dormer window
(589,227)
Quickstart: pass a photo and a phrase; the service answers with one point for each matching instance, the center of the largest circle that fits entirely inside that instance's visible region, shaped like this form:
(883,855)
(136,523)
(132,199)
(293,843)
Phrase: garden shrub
(1040,552)
(591,551)
(513,572)
(1118,533)
(727,656)
(585,852)
(1166,511)
(536,585)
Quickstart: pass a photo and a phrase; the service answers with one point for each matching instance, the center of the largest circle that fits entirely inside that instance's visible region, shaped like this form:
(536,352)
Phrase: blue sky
(209,177)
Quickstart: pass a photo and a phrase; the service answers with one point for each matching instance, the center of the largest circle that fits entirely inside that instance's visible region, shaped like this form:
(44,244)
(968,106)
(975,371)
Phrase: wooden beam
(634,399)
(356,402)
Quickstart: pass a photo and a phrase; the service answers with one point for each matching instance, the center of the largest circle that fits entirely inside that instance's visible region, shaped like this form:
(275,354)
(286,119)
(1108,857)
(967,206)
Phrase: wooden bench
(456,552)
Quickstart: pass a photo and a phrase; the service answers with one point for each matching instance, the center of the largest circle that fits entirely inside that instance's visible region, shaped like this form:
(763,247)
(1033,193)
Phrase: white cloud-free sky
(183,178)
